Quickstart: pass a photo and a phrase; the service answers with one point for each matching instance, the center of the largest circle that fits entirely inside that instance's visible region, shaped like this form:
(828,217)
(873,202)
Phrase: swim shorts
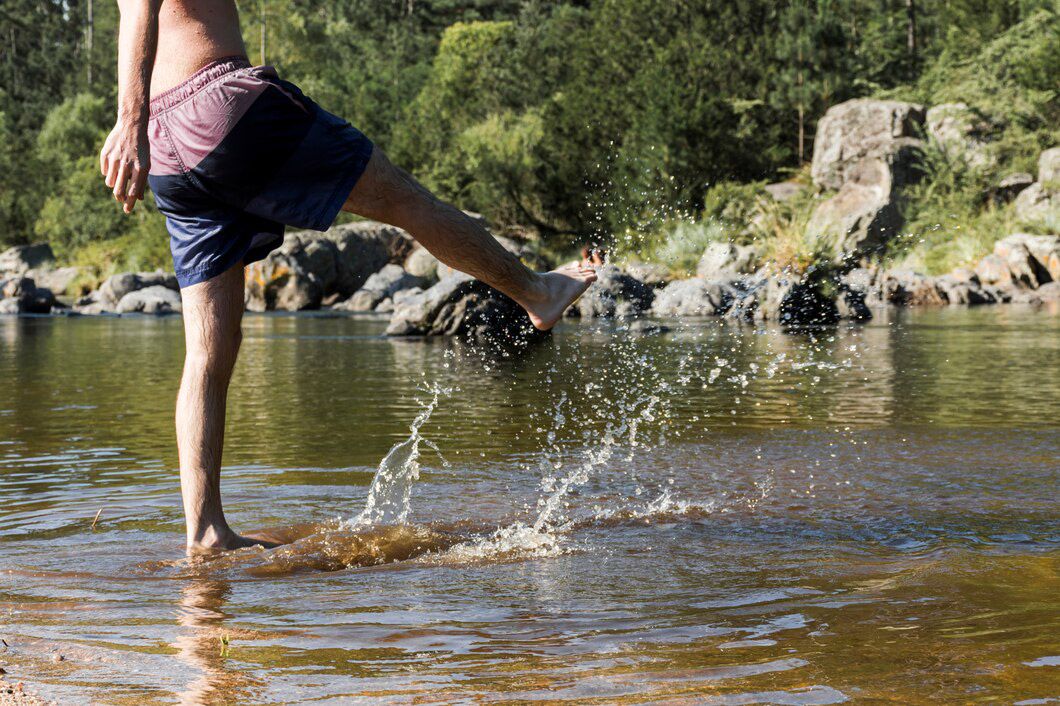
(237,153)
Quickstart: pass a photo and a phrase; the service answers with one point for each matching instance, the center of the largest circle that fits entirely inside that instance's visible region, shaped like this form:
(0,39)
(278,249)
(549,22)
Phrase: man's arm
(126,156)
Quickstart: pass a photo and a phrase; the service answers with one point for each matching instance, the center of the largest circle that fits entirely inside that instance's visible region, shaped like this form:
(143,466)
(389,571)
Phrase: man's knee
(387,193)
(213,356)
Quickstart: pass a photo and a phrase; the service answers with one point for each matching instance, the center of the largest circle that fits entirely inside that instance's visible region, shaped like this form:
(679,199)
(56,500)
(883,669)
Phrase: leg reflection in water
(203,645)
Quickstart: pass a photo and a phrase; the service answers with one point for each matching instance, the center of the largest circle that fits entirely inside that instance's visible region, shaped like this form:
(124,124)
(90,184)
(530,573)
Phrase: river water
(717,514)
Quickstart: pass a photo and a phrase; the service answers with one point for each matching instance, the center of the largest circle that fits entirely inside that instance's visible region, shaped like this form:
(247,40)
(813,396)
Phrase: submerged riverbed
(717,514)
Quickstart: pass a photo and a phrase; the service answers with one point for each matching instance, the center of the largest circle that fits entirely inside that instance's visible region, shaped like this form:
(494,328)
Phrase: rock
(726,261)
(57,280)
(1049,292)
(1044,248)
(692,297)
(861,218)
(613,295)
(885,131)
(1041,200)
(1025,270)
(993,269)
(280,283)
(155,299)
(21,295)
(116,287)
(1049,167)
(851,304)
(956,290)
(1010,187)
(363,248)
(461,306)
(793,301)
(651,274)
(784,190)
(380,286)
(20,259)
(962,132)
(904,287)
(421,263)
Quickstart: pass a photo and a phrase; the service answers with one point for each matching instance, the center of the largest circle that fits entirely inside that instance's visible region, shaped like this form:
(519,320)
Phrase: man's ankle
(211,536)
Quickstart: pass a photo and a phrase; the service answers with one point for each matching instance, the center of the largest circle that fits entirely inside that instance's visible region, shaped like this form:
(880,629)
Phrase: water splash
(389,497)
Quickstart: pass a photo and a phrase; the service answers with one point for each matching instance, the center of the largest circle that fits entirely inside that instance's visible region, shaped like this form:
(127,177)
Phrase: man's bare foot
(559,289)
(215,540)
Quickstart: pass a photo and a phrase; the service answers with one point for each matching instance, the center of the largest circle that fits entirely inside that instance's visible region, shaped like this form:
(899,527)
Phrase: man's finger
(136,189)
(104,157)
(112,173)
(121,182)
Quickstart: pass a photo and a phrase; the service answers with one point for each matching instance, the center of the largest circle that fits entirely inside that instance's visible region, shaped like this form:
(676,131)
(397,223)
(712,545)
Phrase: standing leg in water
(386,193)
(213,311)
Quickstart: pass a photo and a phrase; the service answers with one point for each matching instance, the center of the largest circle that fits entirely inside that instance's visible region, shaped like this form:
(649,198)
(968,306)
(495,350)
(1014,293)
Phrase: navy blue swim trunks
(237,153)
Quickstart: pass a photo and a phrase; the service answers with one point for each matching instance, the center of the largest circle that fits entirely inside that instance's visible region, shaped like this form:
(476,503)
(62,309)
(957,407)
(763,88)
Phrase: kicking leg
(213,311)
(386,193)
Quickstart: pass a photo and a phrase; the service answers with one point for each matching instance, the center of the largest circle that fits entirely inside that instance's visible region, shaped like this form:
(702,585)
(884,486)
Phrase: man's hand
(125,161)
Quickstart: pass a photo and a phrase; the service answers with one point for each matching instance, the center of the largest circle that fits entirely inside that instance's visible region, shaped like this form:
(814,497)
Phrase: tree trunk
(89,31)
(910,11)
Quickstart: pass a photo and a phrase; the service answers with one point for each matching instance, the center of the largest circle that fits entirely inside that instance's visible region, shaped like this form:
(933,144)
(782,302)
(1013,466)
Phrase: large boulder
(464,307)
(851,132)
(17,261)
(784,190)
(21,295)
(726,261)
(381,286)
(862,217)
(156,299)
(692,297)
(650,273)
(1041,200)
(361,249)
(117,286)
(421,263)
(280,282)
(1032,260)
(905,287)
(58,280)
(614,294)
(961,132)
(1010,187)
(795,301)
(1049,167)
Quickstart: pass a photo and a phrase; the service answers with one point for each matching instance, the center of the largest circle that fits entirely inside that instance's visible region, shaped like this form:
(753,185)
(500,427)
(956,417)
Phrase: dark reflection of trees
(200,643)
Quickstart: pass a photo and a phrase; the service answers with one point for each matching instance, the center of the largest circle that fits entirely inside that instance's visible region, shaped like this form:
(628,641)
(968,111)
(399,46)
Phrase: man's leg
(213,311)
(386,193)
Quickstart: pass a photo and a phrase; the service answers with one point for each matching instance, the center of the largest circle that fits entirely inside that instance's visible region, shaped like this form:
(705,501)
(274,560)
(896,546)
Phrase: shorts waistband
(182,91)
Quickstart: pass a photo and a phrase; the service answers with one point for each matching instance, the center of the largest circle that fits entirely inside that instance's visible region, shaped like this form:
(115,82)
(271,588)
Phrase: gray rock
(466,308)
(1045,249)
(862,217)
(993,270)
(1025,270)
(784,190)
(281,283)
(1049,167)
(1049,292)
(58,279)
(381,286)
(885,131)
(156,299)
(726,261)
(21,295)
(961,131)
(1010,187)
(421,263)
(651,274)
(362,249)
(692,297)
(613,295)
(795,301)
(904,287)
(20,259)
(851,304)
(960,291)
(116,287)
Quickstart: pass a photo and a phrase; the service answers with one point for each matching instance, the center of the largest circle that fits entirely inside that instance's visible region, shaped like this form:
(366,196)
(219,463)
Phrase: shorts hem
(248,253)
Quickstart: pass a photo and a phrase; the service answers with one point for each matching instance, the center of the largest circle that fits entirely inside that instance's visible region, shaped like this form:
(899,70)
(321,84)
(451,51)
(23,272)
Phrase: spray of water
(390,495)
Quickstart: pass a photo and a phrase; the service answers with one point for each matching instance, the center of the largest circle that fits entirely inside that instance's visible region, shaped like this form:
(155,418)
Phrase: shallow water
(719,514)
